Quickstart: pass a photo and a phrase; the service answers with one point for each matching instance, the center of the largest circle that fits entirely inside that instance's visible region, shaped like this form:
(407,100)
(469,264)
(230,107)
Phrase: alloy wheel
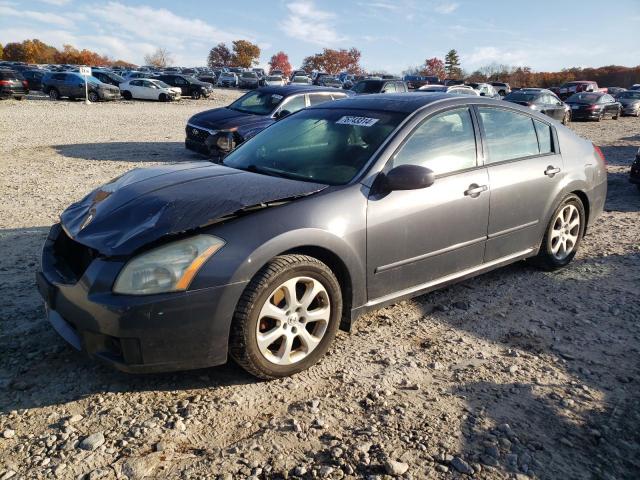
(293,320)
(565,231)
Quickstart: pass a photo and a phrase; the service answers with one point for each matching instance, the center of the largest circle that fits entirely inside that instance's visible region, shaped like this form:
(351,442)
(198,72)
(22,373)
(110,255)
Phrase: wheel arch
(587,207)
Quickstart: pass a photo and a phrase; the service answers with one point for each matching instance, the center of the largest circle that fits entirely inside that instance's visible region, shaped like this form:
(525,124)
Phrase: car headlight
(169,268)
(226,141)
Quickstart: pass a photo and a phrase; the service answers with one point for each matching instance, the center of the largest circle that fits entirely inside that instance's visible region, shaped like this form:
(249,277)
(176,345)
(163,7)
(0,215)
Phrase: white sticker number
(357,121)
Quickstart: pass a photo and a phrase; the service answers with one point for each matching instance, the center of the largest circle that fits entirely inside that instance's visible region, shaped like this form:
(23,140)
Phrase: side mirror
(409,177)
(281,114)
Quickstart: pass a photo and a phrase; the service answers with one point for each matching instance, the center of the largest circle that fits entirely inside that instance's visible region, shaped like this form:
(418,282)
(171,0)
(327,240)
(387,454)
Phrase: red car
(567,89)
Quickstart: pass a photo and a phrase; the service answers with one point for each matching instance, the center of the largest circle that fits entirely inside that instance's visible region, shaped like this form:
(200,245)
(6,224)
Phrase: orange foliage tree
(280,61)
(334,61)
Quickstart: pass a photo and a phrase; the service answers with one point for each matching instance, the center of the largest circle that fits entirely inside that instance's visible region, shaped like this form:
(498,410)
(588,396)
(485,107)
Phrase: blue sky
(392,34)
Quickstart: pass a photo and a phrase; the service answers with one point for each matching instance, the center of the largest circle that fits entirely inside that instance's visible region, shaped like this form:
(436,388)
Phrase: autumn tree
(219,56)
(280,61)
(1,52)
(161,58)
(245,53)
(334,61)
(434,67)
(452,64)
(36,51)
(14,51)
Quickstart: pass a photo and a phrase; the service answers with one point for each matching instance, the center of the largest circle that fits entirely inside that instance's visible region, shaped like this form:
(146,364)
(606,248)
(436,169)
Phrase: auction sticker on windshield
(357,121)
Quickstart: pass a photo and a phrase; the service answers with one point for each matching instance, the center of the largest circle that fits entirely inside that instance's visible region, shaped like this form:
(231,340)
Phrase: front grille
(71,258)
(197,134)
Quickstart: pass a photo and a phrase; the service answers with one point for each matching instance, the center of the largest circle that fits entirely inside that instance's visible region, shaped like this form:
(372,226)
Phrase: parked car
(567,89)
(72,85)
(189,86)
(630,102)
(298,73)
(33,78)
(208,78)
(249,80)
(452,89)
(615,91)
(316,76)
(133,74)
(366,87)
(301,80)
(416,81)
(635,87)
(274,81)
(108,77)
(228,79)
(484,89)
(216,132)
(502,88)
(330,81)
(634,174)
(325,215)
(12,84)
(149,89)
(593,106)
(542,100)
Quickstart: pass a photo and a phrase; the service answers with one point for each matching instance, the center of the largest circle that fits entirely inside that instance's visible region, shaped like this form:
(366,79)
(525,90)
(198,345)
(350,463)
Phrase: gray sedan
(333,211)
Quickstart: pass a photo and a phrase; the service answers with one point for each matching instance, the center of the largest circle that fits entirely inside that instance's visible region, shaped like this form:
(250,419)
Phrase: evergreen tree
(452,64)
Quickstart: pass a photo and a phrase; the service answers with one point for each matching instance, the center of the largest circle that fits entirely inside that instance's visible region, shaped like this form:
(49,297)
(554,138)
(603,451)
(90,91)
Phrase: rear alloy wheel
(287,317)
(127,95)
(563,235)
(93,97)
(54,94)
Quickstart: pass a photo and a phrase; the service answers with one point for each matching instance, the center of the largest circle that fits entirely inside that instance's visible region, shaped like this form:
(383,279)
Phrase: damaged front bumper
(137,334)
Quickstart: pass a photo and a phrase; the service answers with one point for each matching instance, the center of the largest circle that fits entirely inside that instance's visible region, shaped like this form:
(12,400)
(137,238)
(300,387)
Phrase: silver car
(335,210)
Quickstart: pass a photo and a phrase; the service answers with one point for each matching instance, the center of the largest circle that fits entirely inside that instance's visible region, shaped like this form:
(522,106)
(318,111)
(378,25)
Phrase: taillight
(24,82)
(592,107)
(600,154)
(5,82)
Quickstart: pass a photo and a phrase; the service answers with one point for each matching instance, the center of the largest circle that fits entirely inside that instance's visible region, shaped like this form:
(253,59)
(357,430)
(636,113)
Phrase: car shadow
(38,368)
(619,155)
(130,151)
(581,413)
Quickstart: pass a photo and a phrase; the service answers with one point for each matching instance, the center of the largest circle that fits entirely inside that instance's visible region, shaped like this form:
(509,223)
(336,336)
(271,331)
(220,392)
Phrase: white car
(274,81)
(227,79)
(149,89)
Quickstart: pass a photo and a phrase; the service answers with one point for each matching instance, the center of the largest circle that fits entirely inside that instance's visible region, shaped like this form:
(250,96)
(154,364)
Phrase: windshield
(328,146)
(161,84)
(634,95)
(367,87)
(249,75)
(274,78)
(257,103)
(583,98)
(521,97)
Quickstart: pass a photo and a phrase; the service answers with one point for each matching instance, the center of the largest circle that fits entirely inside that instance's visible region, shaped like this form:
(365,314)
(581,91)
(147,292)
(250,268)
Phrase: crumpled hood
(225,118)
(146,204)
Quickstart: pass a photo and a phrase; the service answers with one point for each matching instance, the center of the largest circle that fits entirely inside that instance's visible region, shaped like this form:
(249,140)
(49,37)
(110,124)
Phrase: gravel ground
(515,374)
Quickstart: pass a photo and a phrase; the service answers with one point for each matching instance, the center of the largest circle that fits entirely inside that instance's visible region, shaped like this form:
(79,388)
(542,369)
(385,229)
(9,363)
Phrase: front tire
(286,318)
(93,97)
(54,94)
(127,95)
(617,115)
(163,97)
(196,94)
(563,235)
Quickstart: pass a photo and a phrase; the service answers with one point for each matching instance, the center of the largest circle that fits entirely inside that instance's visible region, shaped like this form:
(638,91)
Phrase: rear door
(552,107)
(419,236)
(525,171)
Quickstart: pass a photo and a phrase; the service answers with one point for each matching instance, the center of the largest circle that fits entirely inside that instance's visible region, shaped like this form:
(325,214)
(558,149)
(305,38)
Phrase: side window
(316,98)
(389,87)
(444,143)
(401,87)
(58,76)
(509,135)
(136,83)
(294,104)
(545,139)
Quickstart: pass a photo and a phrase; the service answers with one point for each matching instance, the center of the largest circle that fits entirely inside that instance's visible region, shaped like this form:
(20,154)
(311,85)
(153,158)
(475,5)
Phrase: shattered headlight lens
(169,268)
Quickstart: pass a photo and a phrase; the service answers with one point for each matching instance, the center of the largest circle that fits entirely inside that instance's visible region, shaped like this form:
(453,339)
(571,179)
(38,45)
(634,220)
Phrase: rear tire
(19,98)
(127,95)
(93,97)
(196,94)
(54,94)
(617,115)
(563,235)
(163,97)
(286,318)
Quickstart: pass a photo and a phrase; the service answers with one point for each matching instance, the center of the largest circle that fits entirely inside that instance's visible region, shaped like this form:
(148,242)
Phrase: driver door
(415,237)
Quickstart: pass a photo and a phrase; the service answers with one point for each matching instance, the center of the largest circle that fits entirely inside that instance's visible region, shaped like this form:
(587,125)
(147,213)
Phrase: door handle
(475,190)
(551,171)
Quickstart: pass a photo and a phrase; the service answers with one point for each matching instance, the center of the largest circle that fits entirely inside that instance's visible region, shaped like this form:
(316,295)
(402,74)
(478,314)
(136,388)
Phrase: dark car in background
(630,102)
(108,77)
(330,81)
(72,85)
(634,174)
(370,86)
(249,80)
(33,78)
(502,88)
(208,78)
(190,86)
(542,100)
(216,132)
(569,88)
(615,91)
(335,211)
(416,81)
(12,84)
(593,106)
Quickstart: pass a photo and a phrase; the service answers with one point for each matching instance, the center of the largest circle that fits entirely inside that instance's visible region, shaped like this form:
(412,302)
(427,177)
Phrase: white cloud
(47,18)
(446,7)
(57,3)
(481,56)
(306,23)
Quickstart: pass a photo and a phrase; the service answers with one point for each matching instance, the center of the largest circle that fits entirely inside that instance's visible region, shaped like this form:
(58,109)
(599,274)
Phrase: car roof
(389,102)
(293,89)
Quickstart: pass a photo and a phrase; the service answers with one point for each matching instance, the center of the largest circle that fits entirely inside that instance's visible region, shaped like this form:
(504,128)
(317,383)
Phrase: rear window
(521,97)
(583,98)
(635,95)
(8,75)
(367,87)
(510,135)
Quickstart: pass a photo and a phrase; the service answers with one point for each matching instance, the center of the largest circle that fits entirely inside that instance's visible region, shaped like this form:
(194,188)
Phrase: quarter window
(316,98)
(443,143)
(294,104)
(509,135)
(544,137)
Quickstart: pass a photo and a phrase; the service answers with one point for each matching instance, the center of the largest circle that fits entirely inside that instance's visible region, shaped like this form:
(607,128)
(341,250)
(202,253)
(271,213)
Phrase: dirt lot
(515,374)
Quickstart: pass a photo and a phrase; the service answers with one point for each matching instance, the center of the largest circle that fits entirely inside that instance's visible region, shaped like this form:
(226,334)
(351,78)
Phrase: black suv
(69,84)
(364,87)
(12,85)
(108,77)
(190,86)
(33,78)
